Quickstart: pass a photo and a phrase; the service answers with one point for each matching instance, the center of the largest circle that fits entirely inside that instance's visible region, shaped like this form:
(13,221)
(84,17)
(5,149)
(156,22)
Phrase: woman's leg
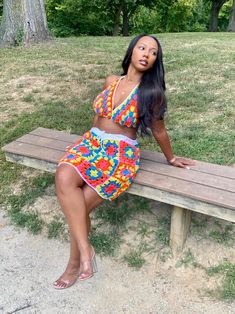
(74,196)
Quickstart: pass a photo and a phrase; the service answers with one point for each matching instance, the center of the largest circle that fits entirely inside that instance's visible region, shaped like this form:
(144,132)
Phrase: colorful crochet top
(125,114)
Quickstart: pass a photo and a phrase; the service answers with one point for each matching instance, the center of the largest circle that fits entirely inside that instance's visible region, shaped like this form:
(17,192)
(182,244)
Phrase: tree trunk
(231,25)
(125,20)
(116,25)
(12,23)
(24,21)
(215,8)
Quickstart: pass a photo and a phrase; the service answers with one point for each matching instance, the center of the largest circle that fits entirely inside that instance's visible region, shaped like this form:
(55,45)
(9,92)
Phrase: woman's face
(144,53)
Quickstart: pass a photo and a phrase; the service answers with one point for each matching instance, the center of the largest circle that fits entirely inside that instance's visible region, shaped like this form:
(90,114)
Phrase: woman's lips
(143,62)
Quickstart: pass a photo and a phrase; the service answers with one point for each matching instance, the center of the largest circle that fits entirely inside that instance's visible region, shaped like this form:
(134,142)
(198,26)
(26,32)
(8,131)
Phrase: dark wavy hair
(152,103)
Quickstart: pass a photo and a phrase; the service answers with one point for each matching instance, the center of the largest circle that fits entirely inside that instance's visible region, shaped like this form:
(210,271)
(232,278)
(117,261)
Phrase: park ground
(52,85)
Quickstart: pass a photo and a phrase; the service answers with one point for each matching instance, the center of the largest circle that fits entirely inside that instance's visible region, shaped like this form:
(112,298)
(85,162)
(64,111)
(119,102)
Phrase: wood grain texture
(180,223)
(211,184)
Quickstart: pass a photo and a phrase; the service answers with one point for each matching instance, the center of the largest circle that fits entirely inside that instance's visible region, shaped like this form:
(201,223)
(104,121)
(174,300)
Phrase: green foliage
(86,17)
(227,290)
(224,235)
(69,17)
(120,210)
(224,15)
(25,219)
(35,189)
(163,231)
(187,260)
(55,228)
(172,16)
(134,259)
(105,243)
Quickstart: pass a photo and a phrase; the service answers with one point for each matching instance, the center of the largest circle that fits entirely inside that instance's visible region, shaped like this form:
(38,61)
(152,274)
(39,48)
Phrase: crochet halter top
(125,114)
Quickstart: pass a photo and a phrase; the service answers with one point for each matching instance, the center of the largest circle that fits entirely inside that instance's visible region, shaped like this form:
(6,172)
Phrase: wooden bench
(206,188)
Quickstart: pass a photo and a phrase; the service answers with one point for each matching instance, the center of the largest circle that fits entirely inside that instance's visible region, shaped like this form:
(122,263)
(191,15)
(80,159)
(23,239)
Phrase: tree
(216,5)
(23,21)
(121,11)
(231,25)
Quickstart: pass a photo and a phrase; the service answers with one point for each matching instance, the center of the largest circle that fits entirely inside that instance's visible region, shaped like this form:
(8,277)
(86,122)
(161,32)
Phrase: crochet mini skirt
(107,162)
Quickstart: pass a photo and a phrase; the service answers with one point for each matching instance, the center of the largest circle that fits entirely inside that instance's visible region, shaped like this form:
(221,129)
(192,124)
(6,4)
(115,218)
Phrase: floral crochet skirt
(106,162)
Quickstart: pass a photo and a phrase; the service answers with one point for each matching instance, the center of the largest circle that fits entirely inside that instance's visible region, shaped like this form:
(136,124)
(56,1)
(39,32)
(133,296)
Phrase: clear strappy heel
(89,268)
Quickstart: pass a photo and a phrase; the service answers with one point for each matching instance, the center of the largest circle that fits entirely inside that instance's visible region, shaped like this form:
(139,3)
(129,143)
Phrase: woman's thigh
(67,178)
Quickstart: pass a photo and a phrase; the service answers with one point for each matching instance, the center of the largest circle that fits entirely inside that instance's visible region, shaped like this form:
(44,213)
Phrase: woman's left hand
(183,163)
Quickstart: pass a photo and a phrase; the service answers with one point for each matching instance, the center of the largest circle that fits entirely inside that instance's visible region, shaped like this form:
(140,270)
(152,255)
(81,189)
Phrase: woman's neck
(133,76)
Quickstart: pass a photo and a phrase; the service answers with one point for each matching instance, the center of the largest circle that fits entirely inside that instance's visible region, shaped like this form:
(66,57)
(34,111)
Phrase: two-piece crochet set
(108,162)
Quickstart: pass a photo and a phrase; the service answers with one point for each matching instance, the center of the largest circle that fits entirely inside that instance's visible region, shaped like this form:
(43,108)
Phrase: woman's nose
(146,53)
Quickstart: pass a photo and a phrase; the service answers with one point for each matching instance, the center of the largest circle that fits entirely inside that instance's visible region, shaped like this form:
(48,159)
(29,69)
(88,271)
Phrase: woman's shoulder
(110,79)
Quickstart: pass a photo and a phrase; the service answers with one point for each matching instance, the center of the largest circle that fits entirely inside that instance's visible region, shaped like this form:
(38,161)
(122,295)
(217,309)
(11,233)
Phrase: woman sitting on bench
(103,164)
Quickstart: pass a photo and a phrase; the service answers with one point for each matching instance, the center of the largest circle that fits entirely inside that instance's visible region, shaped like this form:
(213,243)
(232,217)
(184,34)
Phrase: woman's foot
(69,277)
(88,266)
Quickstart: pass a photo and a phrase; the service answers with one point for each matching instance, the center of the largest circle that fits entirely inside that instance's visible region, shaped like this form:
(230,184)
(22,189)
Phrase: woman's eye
(141,47)
(154,53)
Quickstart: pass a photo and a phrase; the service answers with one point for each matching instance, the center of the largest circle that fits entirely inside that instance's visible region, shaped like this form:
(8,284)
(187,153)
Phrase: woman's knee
(66,178)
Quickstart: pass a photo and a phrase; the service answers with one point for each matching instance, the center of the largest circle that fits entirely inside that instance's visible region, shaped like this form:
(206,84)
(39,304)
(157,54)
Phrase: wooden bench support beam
(180,223)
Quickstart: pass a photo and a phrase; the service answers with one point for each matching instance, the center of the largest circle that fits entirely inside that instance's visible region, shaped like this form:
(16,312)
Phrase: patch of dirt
(27,173)
(26,93)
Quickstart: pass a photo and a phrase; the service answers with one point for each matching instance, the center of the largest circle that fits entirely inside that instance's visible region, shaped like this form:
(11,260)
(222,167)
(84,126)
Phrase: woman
(103,164)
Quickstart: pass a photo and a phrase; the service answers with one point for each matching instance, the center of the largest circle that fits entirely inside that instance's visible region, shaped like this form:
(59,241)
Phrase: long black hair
(152,103)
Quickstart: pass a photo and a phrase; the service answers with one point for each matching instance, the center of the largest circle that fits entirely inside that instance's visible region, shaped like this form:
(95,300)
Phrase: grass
(224,235)
(226,270)
(163,230)
(105,243)
(55,228)
(221,232)
(188,259)
(134,259)
(53,86)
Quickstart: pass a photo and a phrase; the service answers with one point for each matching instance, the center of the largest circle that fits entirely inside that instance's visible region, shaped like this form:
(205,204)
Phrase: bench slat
(205,179)
(45,142)
(193,175)
(54,134)
(34,151)
(220,170)
(223,171)
(146,178)
(189,189)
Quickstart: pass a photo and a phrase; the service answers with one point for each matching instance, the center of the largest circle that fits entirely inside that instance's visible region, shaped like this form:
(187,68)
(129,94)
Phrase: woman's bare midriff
(112,127)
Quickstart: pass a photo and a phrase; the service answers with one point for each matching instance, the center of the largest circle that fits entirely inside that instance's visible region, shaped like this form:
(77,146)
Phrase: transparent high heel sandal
(89,268)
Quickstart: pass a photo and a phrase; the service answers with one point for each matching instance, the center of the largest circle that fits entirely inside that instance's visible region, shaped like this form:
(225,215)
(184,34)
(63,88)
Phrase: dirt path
(29,264)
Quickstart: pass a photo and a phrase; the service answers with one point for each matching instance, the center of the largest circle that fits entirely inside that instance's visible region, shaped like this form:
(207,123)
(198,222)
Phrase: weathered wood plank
(223,171)
(155,167)
(33,151)
(220,170)
(180,223)
(54,134)
(192,190)
(192,175)
(148,192)
(183,201)
(43,142)
(145,178)
(32,162)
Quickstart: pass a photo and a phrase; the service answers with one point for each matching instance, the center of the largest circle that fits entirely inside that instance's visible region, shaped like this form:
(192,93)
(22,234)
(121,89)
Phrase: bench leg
(180,223)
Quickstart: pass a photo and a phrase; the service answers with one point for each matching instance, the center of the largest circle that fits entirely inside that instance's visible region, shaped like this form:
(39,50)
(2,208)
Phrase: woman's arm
(161,136)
